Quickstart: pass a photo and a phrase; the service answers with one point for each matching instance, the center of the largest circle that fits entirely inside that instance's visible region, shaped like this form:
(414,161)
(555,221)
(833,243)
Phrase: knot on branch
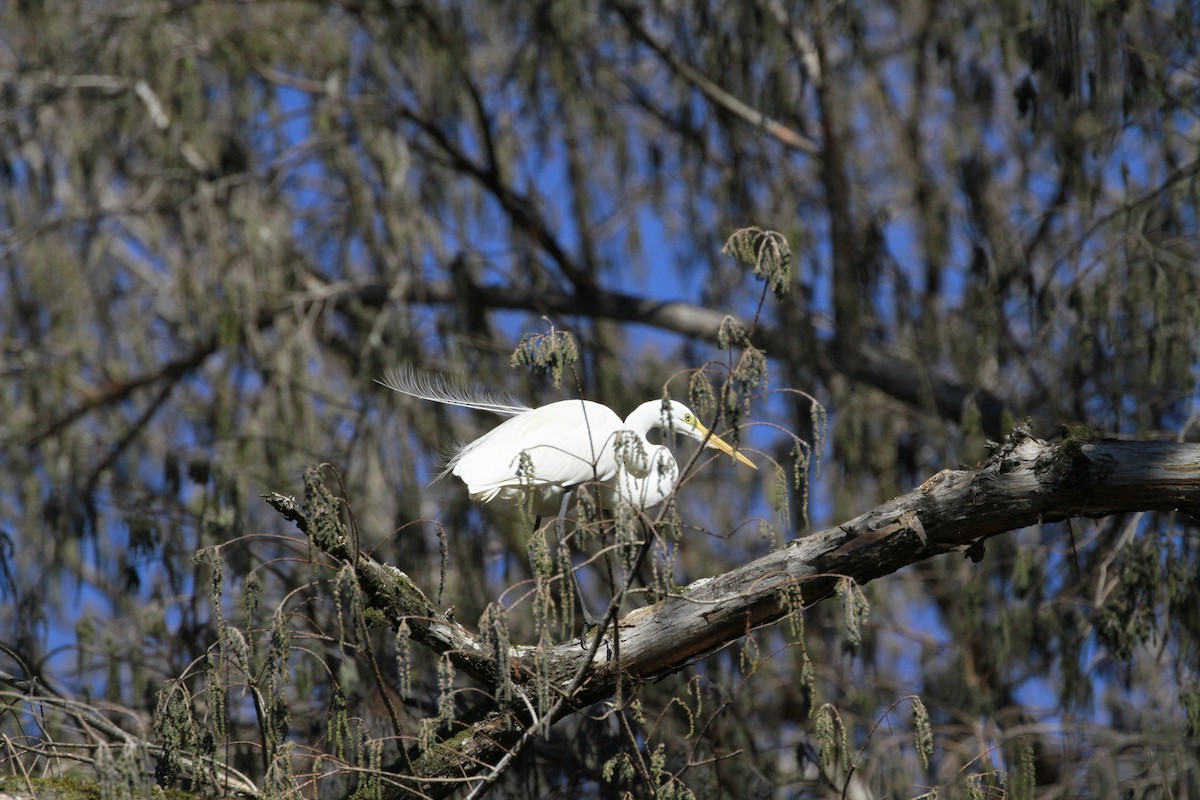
(1019,449)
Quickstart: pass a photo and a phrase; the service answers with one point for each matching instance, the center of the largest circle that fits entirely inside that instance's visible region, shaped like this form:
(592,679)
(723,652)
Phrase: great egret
(542,454)
(564,445)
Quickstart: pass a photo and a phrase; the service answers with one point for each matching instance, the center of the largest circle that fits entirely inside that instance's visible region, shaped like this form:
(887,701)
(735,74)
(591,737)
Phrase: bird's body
(541,453)
(566,443)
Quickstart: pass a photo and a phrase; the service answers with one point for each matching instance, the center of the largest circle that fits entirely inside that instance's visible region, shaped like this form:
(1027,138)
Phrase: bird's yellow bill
(724,446)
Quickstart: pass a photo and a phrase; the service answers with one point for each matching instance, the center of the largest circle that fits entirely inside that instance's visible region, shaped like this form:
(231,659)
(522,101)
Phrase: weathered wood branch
(1025,482)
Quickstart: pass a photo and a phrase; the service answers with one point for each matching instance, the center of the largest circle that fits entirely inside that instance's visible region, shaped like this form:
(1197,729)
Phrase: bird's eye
(688,419)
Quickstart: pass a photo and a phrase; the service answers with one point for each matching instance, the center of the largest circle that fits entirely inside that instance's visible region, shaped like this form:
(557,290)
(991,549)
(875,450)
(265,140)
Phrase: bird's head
(675,417)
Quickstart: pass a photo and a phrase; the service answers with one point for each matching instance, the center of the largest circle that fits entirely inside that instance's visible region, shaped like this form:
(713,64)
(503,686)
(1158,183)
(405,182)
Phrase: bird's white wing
(567,443)
(441,389)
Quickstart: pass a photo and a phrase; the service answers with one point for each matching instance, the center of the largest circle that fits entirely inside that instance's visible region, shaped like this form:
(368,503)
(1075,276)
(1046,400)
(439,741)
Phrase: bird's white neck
(646,416)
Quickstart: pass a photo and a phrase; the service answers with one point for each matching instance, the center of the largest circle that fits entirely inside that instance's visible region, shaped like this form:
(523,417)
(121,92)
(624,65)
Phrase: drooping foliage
(221,222)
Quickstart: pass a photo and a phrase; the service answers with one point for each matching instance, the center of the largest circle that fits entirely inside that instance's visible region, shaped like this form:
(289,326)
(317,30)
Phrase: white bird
(542,454)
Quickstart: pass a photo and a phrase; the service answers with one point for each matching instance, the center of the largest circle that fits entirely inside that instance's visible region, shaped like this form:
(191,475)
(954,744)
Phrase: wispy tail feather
(441,389)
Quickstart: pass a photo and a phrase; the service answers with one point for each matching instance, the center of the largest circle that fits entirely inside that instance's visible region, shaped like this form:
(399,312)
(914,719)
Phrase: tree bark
(1024,482)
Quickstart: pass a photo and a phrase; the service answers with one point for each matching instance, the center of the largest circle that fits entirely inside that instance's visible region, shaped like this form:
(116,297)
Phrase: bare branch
(786,136)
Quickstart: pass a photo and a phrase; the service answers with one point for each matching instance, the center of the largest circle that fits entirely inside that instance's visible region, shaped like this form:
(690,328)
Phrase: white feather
(441,389)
